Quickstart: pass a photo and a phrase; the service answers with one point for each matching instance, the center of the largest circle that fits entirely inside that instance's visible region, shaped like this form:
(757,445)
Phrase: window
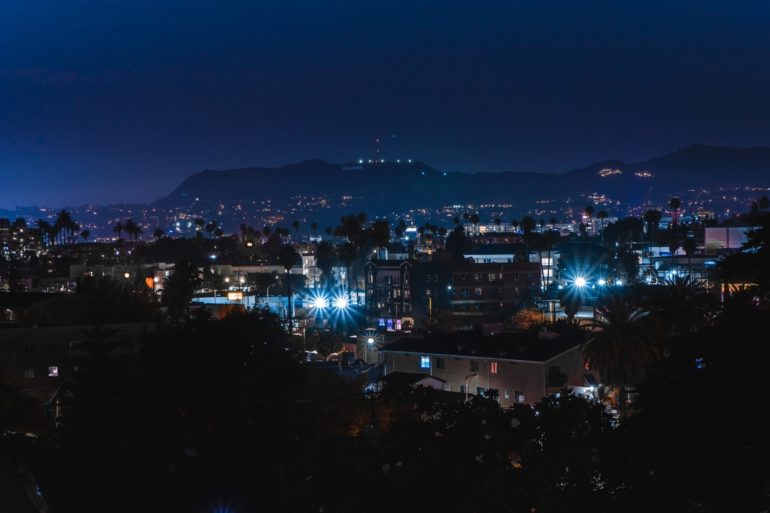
(519,398)
(29,348)
(29,373)
(477,291)
(463,389)
(440,364)
(474,366)
(492,277)
(480,390)
(507,394)
(52,348)
(53,372)
(493,367)
(476,277)
(425,362)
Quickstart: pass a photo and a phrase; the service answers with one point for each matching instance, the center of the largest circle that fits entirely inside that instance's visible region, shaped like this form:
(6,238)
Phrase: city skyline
(104,103)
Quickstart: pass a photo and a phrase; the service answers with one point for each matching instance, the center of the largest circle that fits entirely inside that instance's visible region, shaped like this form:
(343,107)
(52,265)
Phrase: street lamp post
(466,383)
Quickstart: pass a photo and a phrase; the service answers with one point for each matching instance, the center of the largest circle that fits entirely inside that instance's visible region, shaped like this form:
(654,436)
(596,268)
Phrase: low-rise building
(513,367)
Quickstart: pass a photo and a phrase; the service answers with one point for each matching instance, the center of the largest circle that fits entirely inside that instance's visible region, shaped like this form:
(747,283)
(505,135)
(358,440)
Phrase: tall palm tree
(157,233)
(132,229)
(348,253)
(85,234)
(675,203)
(601,216)
(689,249)
(45,229)
(624,339)
(288,258)
(118,228)
(683,305)
(589,213)
(295,224)
(652,219)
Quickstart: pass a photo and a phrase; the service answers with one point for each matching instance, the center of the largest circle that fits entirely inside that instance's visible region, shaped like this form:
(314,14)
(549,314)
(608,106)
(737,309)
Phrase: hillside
(389,186)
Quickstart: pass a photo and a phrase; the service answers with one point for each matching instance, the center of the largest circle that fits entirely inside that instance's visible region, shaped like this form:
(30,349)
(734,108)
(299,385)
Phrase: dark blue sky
(105,101)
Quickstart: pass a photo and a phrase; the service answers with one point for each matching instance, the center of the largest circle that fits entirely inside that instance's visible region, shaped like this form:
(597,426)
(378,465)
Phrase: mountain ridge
(388,186)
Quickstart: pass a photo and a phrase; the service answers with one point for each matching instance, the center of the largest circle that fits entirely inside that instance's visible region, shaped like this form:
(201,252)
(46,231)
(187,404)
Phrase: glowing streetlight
(341,303)
(602,282)
(126,275)
(320,302)
(580,282)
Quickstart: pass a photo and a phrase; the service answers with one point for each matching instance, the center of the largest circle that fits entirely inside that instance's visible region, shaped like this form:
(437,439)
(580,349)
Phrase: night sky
(106,101)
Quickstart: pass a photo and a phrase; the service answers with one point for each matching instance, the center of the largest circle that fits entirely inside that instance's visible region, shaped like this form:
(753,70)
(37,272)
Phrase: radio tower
(377,152)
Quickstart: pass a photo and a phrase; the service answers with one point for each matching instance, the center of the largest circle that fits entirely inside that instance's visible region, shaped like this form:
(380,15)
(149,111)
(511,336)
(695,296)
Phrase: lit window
(519,397)
(493,367)
(507,394)
(425,362)
(29,373)
(53,372)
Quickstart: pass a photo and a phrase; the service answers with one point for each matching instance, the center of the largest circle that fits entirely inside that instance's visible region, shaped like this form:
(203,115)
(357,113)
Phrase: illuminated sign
(235,296)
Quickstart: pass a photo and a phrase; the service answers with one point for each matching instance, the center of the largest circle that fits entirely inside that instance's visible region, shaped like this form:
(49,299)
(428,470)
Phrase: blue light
(341,303)
(580,282)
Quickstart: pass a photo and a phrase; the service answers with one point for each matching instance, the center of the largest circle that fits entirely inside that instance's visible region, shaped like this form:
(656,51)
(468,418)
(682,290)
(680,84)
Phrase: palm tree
(348,253)
(400,229)
(179,288)
(652,219)
(67,227)
(288,258)
(622,342)
(157,233)
(528,224)
(601,216)
(45,229)
(324,257)
(85,234)
(675,203)
(295,224)
(314,227)
(132,229)
(589,212)
(118,228)
(689,250)
(684,306)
